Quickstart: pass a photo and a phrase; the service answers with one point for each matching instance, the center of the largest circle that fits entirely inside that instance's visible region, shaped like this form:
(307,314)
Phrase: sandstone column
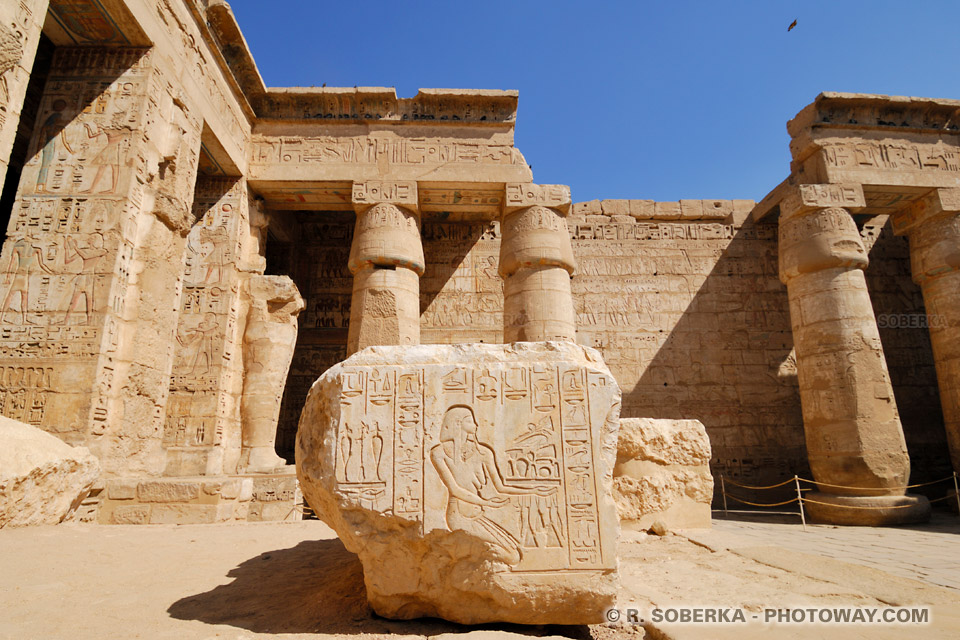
(536,262)
(268,343)
(386,260)
(933,224)
(853,432)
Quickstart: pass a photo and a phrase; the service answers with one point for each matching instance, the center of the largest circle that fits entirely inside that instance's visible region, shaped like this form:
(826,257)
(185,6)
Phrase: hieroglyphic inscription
(201,408)
(372,192)
(520,195)
(461,293)
(897,156)
(66,260)
(371,149)
(504,451)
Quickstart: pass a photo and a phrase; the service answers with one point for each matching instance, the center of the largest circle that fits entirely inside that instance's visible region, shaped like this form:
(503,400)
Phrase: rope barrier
(841,486)
(850,506)
(800,499)
(755,504)
(747,486)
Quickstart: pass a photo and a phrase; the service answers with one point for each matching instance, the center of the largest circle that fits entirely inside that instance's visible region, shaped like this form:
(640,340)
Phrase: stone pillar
(933,225)
(536,262)
(386,260)
(268,343)
(20,25)
(92,261)
(853,432)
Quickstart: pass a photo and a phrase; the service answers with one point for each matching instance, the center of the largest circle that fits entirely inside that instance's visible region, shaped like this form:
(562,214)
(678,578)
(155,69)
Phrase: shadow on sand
(316,587)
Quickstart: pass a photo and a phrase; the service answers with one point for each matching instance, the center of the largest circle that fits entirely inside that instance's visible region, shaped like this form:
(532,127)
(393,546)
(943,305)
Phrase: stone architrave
(933,225)
(536,262)
(474,481)
(855,443)
(386,260)
(268,343)
(663,473)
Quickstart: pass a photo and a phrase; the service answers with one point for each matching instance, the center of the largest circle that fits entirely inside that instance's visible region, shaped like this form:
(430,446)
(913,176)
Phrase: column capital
(521,195)
(938,203)
(804,198)
(400,193)
(823,238)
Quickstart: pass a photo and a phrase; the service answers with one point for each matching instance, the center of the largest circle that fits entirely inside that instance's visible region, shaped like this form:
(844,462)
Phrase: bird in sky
(792,25)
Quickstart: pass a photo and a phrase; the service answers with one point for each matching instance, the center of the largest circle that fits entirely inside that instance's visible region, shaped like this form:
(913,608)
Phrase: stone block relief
(508,451)
(507,486)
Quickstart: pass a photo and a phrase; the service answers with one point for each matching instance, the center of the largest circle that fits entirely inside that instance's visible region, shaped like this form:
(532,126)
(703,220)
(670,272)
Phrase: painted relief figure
(468,469)
(53,128)
(22,258)
(109,156)
(84,281)
(201,340)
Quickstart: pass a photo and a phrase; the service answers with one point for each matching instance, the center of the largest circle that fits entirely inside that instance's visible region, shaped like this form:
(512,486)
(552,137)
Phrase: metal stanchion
(723,490)
(803,518)
(956,491)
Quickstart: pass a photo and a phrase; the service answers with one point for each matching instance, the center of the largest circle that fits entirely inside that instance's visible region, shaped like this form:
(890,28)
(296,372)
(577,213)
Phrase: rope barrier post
(803,518)
(956,491)
(723,491)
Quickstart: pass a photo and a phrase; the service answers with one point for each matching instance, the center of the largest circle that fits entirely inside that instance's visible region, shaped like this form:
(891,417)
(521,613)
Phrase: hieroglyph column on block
(92,262)
(386,260)
(536,262)
(855,442)
(933,225)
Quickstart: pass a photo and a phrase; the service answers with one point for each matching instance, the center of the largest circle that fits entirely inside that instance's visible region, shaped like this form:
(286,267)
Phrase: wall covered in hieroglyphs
(689,314)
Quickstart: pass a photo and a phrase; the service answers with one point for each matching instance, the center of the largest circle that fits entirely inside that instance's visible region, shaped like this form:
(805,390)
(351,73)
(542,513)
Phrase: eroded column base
(866,511)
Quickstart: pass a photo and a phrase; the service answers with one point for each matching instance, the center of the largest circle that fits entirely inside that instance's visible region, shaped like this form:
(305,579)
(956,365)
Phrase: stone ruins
(188,252)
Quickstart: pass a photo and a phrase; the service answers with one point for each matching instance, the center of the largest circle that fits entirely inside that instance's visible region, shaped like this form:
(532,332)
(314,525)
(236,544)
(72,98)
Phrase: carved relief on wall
(201,408)
(65,267)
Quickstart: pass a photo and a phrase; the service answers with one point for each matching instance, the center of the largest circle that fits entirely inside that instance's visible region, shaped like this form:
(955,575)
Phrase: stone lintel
(520,195)
(938,202)
(402,193)
(808,197)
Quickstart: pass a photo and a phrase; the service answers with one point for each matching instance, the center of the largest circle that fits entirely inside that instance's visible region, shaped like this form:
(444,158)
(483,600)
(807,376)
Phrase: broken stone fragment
(42,479)
(663,474)
(473,481)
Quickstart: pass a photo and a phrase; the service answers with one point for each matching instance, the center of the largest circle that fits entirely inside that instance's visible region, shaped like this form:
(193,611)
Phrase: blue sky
(659,100)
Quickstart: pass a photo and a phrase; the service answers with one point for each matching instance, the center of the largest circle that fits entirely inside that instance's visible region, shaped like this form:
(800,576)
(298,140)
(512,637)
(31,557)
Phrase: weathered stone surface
(268,342)
(42,479)
(473,481)
(663,473)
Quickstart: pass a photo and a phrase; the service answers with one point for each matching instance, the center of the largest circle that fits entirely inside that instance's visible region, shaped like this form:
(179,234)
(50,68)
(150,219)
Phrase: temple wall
(689,315)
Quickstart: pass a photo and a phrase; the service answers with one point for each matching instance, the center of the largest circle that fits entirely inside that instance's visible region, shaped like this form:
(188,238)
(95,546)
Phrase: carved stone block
(663,473)
(474,481)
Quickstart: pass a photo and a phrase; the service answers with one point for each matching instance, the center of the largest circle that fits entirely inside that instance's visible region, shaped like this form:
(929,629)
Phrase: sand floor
(296,580)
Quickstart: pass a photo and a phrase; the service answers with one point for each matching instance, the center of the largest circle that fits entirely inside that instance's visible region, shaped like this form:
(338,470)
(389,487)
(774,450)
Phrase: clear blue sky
(661,100)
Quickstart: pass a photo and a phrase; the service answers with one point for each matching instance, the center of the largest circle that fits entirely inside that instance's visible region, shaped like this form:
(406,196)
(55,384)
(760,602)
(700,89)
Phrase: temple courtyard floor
(295,580)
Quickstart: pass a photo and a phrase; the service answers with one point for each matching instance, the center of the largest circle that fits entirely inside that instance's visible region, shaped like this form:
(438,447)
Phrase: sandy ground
(295,580)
